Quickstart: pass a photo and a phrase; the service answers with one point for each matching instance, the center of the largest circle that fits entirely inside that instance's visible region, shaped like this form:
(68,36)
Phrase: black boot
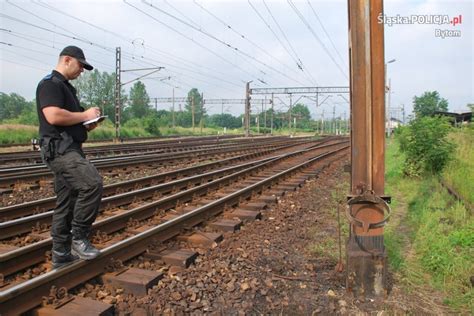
(62,256)
(81,245)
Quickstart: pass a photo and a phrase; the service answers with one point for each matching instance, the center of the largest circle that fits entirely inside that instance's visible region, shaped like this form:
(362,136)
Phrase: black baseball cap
(77,53)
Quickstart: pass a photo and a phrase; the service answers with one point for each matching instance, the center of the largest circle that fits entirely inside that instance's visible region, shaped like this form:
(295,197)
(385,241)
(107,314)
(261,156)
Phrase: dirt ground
(283,264)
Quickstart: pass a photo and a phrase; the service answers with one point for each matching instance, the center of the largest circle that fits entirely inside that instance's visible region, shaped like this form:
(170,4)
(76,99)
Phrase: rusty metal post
(366,255)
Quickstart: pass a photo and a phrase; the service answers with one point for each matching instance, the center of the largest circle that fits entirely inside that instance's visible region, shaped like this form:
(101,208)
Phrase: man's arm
(61,117)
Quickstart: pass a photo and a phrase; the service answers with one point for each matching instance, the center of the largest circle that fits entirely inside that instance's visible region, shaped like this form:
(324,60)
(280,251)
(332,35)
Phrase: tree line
(96,88)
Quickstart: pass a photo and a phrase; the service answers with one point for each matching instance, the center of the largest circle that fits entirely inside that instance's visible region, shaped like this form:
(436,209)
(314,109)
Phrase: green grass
(16,133)
(22,134)
(459,173)
(439,230)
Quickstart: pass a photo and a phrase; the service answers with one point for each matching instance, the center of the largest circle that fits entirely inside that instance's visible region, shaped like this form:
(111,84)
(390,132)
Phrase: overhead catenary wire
(129,40)
(54,32)
(24,65)
(344,62)
(149,61)
(111,50)
(189,38)
(300,63)
(146,62)
(241,52)
(273,32)
(228,26)
(42,19)
(181,13)
(42,43)
(36,51)
(298,13)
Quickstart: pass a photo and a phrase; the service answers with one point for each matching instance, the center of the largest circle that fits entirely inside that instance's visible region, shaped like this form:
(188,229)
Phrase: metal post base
(367,268)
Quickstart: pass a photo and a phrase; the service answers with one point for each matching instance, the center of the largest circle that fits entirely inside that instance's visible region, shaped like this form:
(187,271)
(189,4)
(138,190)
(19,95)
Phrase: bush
(426,145)
(152,125)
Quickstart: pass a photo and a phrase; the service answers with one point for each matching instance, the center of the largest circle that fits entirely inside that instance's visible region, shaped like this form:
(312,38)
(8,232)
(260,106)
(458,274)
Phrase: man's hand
(92,113)
(91,126)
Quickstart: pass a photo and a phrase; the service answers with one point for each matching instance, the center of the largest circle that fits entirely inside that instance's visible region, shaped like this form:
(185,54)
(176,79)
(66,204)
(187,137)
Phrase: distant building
(393,123)
(456,118)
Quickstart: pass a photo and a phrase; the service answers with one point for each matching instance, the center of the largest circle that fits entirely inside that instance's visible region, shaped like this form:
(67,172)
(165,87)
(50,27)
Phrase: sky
(218,46)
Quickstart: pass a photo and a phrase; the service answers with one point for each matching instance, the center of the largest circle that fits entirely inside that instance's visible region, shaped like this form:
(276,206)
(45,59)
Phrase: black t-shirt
(55,90)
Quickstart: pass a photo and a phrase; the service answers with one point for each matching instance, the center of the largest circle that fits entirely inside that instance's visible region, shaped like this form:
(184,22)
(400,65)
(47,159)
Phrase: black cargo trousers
(78,187)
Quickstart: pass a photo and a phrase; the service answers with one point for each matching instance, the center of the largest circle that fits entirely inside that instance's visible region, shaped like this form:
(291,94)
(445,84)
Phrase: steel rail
(138,140)
(7,170)
(23,257)
(143,149)
(38,206)
(25,296)
(121,148)
(44,173)
(26,224)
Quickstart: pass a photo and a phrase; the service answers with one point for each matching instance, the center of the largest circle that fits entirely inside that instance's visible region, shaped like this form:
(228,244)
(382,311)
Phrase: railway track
(39,223)
(127,191)
(15,175)
(116,149)
(159,220)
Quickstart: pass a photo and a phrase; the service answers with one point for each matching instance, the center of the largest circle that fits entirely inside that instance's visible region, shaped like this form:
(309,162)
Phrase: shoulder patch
(48,77)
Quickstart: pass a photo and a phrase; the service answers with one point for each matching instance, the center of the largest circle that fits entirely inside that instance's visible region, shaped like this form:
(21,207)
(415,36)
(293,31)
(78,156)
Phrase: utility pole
(403,113)
(264,109)
(247,109)
(289,115)
(202,112)
(322,123)
(271,118)
(172,113)
(345,123)
(118,87)
(334,119)
(366,270)
(257,122)
(192,112)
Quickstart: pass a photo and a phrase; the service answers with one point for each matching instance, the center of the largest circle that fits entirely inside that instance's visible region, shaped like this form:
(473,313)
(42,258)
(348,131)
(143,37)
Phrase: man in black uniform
(77,183)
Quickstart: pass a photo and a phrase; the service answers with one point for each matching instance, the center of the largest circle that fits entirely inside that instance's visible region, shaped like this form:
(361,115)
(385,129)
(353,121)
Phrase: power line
(129,40)
(181,13)
(273,32)
(216,39)
(300,63)
(327,34)
(189,38)
(41,18)
(19,54)
(54,32)
(24,65)
(242,36)
(144,61)
(196,72)
(298,13)
(89,42)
